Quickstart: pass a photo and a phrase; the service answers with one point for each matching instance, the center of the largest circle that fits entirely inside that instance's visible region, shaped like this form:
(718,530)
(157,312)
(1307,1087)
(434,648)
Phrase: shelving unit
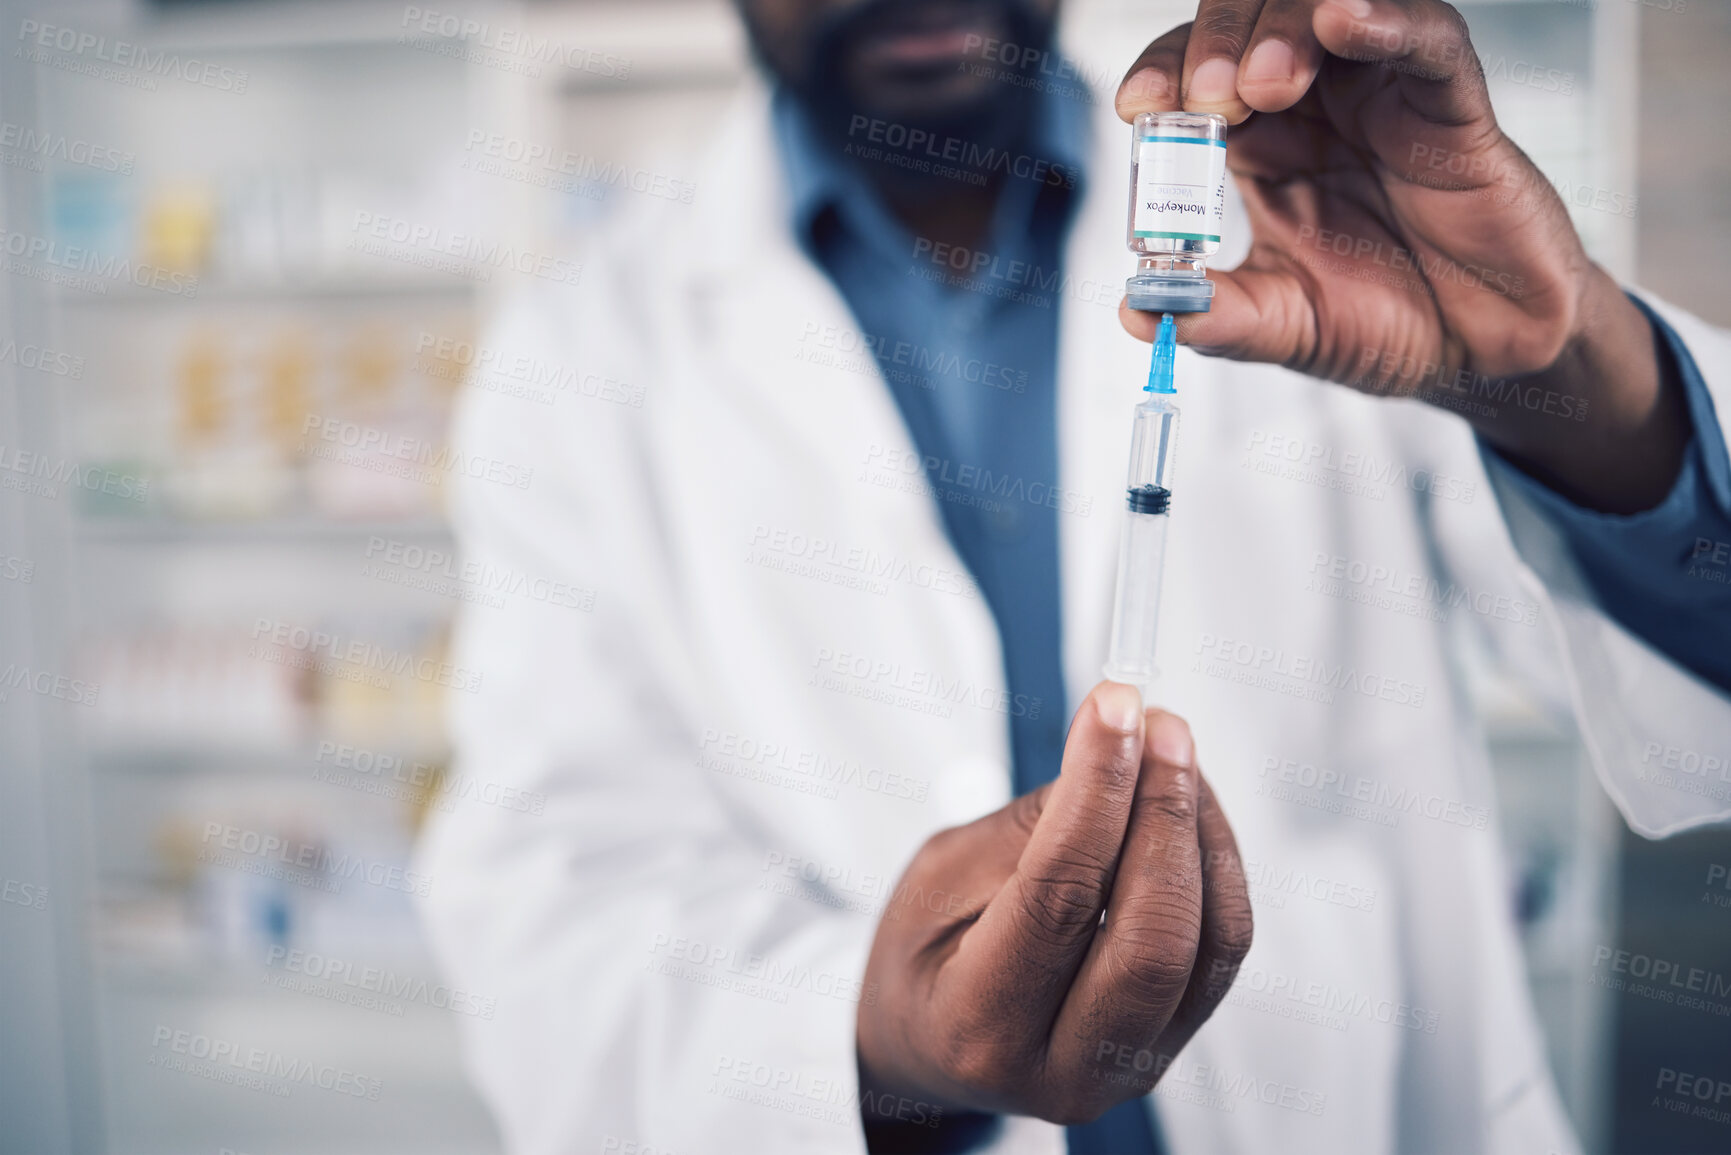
(285,292)
(254,195)
(172,532)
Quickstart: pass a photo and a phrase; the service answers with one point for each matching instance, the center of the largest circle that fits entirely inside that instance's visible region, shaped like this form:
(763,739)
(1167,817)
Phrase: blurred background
(248,248)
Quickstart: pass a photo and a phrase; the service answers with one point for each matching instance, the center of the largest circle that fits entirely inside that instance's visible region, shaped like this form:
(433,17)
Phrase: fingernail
(1149,84)
(1214,82)
(1119,706)
(1170,738)
(1358,8)
(1271,61)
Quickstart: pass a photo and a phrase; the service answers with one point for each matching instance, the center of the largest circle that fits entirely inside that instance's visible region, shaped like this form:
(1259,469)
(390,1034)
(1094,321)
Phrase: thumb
(1257,315)
(1049,907)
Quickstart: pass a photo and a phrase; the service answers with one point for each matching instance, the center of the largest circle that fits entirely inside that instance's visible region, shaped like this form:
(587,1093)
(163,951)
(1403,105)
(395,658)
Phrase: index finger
(1424,44)
(1235,57)
(1228,923)
(1263,55)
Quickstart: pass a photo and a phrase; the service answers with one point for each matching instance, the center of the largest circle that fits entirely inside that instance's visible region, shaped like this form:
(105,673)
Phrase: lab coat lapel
(776,333)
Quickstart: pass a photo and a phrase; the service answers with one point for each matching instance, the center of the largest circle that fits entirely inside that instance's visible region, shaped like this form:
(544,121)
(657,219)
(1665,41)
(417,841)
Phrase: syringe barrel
(1142,549)
(1153,443)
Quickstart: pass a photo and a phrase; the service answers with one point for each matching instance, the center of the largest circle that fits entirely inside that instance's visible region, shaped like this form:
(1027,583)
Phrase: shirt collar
(820,177)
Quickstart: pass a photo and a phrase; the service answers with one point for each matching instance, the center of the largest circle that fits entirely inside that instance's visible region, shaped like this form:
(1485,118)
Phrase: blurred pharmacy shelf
(169,531)
(339,289)
(207,476)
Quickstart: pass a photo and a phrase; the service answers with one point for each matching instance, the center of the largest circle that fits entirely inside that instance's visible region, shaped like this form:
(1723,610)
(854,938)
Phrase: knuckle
(1064,906)
(1147,988)
(1115,771)
(1454,21)
(1025,810)
(940,853)
(1154,958)
(1083,865)
(1237,934)
(943,843)
(1224,22)
(1171,804)
(1167,923)
(1539,344)
(1156,965)
(980,1063)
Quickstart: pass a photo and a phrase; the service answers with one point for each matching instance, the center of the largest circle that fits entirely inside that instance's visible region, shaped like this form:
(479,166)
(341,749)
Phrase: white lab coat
(733,707)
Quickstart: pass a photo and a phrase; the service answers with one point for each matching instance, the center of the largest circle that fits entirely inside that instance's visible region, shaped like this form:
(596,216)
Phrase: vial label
(1180,188)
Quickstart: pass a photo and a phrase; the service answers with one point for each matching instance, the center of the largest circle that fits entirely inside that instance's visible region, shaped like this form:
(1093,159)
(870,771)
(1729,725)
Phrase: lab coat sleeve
(656,983)
(1658,735)
(1660,572)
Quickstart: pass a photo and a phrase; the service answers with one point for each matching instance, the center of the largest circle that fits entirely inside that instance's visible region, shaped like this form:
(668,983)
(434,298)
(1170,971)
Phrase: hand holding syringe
(1148,498)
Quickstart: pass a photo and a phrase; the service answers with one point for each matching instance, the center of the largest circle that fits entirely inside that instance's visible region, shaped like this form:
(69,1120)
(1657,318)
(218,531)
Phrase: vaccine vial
(1177,205)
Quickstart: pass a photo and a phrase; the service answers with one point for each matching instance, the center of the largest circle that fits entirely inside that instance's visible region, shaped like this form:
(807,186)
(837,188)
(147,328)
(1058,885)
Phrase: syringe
(1142,549)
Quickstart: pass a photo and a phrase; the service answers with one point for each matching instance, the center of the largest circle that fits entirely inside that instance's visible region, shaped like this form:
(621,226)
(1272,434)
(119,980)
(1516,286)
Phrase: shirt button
(1004,520)
(969,318)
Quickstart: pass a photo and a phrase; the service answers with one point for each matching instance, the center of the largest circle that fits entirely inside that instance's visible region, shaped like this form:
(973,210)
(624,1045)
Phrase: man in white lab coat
(843,573)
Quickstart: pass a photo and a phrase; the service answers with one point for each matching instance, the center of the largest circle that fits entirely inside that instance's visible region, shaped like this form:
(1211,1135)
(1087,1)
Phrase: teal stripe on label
(1177,236)
(1182,140)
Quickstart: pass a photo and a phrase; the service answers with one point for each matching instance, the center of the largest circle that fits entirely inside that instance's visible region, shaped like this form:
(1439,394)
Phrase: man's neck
(942,209)
(959,215)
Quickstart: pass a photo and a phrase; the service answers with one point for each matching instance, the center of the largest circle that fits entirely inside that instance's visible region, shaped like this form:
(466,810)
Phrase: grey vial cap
(1151,293)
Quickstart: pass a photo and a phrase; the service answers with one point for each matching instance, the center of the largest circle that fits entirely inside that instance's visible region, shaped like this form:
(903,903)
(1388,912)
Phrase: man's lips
(926,46)
(938,33)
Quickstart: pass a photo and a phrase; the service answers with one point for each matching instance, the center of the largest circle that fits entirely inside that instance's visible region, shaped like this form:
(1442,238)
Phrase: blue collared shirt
(968,342)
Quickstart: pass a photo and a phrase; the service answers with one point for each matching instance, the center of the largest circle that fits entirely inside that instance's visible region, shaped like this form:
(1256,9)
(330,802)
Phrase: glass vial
(1177,206)
(1142,549)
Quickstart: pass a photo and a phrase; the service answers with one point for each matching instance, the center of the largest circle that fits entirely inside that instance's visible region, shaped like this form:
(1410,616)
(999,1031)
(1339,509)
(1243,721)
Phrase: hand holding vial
(1400,241)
